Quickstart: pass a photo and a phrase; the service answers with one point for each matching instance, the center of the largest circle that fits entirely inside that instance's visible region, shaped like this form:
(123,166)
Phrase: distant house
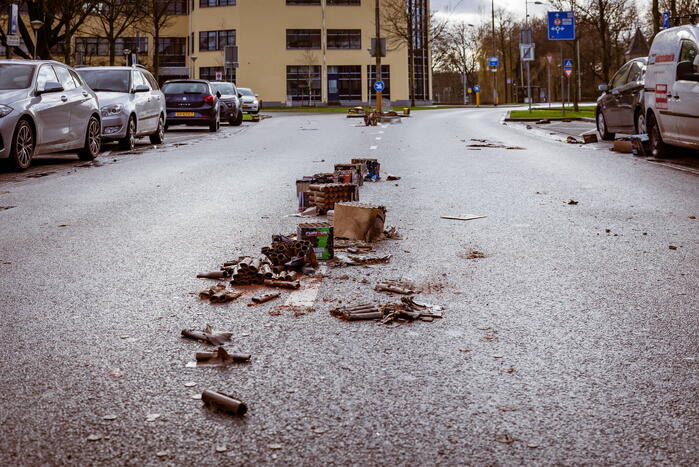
(638,47)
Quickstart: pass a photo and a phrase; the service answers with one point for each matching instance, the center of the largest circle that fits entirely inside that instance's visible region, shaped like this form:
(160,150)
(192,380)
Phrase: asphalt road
(574,341)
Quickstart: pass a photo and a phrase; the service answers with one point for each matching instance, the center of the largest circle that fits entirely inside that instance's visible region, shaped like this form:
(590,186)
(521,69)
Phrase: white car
(672,89)
(250,101)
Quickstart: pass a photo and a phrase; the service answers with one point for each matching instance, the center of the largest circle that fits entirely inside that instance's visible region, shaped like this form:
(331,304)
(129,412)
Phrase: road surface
(573,341)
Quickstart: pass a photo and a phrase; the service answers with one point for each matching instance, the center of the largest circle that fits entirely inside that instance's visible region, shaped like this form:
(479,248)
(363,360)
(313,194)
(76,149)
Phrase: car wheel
(23,145)
(238,119)
(602,126)
(159,136)
(214,126)
(640,122)
(93,139)
(129,141)
(658,148)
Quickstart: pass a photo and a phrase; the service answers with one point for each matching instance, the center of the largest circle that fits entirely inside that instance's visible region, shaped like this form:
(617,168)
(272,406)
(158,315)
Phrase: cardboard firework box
(359,221)
(354,169)
(321,235)
(372,168)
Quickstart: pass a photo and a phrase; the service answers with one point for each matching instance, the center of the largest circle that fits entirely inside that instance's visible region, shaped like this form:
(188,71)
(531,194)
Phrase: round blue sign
(476,88)
(379,86)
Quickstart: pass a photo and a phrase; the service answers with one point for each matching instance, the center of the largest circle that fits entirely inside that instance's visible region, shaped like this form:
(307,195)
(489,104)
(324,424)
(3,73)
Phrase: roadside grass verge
(555,112)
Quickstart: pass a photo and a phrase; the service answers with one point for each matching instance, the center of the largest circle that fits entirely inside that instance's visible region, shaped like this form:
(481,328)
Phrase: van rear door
(685,97)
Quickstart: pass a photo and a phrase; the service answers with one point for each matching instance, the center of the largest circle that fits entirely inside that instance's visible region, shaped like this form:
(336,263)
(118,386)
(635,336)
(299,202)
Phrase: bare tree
(113,18)
(61,18)
(160,15)
(309,61)
(456,49)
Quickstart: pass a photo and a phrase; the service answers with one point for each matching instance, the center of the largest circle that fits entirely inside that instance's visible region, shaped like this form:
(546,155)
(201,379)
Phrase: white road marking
(373,147)
(306,297)
(378,138)
(381,132)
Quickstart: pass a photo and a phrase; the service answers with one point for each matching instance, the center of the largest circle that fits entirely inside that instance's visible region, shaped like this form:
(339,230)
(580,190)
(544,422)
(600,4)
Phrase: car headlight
(5,110)
(112,109)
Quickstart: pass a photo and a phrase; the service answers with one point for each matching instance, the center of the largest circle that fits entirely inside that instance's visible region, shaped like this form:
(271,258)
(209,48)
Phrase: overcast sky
(476,11)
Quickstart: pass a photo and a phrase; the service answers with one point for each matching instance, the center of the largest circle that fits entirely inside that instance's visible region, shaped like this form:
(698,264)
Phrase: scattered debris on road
(572,202)
(223,402)
(208,335)
(406,310)
(264,298)
(465,217)
(220,357)
(359,221)
(473,254)
(392,286)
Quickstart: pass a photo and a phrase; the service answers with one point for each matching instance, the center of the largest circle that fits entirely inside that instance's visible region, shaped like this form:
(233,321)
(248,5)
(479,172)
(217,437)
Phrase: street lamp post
(529,76)
(193,58)
(495,71)
(36,25)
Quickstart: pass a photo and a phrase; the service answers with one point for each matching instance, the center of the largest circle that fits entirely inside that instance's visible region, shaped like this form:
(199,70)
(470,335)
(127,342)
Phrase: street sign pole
(379,50)
(563,103)
(548,76)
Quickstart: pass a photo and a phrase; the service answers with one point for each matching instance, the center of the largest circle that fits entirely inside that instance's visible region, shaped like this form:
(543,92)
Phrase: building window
(134,44)
(303,83)
(328,2)
(344,38)
(212,3)
(176,7)
(92,46)
(345,82)
(209,72)
(171,51)
(303,38)
(385,77)
(216,40)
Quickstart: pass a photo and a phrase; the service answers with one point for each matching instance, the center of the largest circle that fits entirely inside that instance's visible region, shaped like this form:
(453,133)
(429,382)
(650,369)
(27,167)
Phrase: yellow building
(285,48)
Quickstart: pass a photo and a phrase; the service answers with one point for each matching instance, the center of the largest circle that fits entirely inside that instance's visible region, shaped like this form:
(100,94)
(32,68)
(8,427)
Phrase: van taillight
(209,99)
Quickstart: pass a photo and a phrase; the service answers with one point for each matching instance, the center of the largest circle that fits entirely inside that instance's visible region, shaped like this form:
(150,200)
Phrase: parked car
(672,89)
(192,102)
(620,107)
(131,103)
(251,102)
(45,107)
(230,102)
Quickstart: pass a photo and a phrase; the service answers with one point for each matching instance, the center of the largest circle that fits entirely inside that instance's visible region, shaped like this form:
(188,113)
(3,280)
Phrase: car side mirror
(603,88)
(257,95)
(51,86)
(240,95)
(141,88)
(685,72)
(218,94)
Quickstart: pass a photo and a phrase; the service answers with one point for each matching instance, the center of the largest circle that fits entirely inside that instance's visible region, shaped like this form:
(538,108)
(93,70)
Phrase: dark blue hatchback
(192,102)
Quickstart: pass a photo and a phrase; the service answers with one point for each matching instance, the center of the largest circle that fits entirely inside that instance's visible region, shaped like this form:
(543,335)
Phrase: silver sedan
(45,107)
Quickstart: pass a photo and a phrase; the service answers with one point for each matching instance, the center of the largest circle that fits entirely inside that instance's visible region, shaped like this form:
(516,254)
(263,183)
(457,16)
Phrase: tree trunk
(656,17)
(156,52)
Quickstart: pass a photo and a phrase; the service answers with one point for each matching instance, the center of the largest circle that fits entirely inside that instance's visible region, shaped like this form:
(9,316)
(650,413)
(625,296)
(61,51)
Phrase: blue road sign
(379,86)
(561,26)
(493,62)
(568,67)
(13,19)
(666,19)
(477,88)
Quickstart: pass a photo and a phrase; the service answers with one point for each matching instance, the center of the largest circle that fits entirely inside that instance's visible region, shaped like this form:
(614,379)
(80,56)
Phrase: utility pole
(323,45)
(378,50)
(495,54)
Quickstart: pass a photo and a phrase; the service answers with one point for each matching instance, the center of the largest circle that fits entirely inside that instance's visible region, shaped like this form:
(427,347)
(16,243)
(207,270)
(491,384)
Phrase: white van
(672,89)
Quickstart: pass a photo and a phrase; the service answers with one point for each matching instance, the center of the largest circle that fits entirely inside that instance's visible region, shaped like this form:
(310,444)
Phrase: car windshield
(246,92)
(107,80)
(224,88)
(185,88)
(14,76)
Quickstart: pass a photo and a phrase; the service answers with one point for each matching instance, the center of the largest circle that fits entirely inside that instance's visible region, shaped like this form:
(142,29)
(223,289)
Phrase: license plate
(184,114)
(247,106)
